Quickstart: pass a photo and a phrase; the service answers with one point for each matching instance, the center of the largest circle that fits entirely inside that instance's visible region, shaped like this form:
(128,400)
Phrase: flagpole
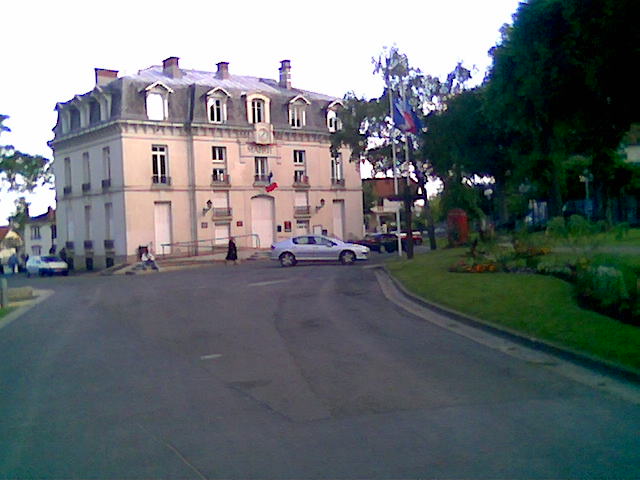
(395,171)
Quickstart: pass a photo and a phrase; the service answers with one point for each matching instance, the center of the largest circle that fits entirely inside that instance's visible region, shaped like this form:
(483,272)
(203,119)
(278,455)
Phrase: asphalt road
(255,371)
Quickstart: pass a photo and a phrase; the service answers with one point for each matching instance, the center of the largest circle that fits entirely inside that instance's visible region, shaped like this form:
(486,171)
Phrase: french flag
(405,118)
(272,185)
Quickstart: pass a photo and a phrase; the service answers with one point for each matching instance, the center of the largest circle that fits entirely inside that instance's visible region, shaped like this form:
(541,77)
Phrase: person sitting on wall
(148,259)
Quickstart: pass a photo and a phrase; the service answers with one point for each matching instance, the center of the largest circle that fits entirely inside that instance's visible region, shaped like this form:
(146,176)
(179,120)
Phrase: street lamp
(585,178)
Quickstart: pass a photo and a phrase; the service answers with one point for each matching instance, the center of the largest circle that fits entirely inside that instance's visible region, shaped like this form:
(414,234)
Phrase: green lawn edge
(538,306)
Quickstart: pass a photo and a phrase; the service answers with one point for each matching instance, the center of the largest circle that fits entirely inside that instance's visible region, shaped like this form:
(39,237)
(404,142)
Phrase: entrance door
(162,227)
(222,233)
(338,219)
(262,219)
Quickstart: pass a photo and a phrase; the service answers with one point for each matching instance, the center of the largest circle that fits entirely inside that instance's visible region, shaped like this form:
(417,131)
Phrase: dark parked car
(380,242)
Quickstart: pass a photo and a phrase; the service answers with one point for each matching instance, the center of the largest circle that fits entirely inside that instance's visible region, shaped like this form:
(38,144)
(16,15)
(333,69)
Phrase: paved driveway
(255,371)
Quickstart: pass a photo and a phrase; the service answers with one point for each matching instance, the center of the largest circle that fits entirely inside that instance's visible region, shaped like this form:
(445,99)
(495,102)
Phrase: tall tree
(20,171)
(368,128)
(555,83)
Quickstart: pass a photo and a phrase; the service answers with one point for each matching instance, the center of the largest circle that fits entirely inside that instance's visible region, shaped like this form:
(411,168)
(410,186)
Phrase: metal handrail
(202,247)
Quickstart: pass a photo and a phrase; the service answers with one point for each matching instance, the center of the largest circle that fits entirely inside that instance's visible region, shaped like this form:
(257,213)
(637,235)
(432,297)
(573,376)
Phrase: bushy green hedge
(610,286)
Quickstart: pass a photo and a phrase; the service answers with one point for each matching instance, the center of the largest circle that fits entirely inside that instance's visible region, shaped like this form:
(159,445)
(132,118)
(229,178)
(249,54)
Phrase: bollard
(4,293)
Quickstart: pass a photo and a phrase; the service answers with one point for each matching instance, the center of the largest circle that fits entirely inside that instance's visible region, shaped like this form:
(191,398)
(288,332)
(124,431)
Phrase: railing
(204,247)
(66,190)
(260,178)
(337,182)
(88,245)
(221,212)
(69,245)
(106,184)
(299,179)
(108,244)
(161,180)
(301,210)
(220,179)
(86,187)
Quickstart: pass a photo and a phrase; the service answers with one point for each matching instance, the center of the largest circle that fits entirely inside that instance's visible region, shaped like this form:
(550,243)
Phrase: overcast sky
(50,48)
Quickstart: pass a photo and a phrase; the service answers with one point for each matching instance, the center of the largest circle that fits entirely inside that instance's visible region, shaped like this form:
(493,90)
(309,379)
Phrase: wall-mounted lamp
(207,208)
(318,207)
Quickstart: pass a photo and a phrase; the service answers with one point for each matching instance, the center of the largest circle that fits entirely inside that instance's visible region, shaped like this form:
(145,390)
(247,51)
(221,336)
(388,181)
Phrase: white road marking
(210,357)
(269,282)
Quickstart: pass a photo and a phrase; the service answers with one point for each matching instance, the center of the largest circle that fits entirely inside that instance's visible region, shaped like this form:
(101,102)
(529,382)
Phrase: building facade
(181,160)
(40,234)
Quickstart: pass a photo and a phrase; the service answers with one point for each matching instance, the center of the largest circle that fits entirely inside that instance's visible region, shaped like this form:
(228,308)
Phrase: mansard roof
(235,83)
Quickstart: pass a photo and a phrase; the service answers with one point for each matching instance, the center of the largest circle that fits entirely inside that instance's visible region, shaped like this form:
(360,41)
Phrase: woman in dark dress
(232,252)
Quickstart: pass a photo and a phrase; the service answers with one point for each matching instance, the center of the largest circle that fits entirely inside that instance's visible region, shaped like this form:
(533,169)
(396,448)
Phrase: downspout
(191,172)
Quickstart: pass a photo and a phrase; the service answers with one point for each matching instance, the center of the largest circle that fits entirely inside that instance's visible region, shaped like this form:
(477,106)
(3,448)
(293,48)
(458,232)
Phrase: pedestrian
(148,259)
(232,252)
(12,263)
(63,254)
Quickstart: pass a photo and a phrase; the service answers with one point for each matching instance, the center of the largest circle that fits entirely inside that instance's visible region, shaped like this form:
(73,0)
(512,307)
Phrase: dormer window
(298,112)
(74,118)
(217,105)
(258,108)
(333,122)
(157,101)
(94,112)
(156,106)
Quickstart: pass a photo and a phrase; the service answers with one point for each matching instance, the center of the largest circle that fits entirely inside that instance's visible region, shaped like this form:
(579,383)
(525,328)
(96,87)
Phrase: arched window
(258,108)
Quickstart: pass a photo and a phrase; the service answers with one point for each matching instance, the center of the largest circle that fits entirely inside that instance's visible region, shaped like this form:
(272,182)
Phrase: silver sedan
(317,248)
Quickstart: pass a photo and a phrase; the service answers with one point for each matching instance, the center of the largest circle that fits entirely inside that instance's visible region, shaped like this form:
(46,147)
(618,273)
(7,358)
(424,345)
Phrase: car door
(304,249)
(325,249)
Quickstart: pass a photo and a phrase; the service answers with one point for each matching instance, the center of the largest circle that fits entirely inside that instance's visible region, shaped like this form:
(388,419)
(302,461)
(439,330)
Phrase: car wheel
(347,257)
(28,274)
(66,274)
(287,259)
(41,272)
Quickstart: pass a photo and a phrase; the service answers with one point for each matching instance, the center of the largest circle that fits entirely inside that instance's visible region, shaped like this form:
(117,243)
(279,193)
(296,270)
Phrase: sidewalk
(178,263)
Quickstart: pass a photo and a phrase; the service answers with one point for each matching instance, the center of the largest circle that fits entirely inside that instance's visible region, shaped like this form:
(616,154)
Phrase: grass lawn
(5,311)
(540,306)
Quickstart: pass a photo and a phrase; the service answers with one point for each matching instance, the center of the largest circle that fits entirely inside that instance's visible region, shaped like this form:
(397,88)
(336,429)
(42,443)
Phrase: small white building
(40,234)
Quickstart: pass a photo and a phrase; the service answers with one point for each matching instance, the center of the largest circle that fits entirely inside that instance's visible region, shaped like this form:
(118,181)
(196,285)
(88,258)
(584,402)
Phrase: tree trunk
(431,230)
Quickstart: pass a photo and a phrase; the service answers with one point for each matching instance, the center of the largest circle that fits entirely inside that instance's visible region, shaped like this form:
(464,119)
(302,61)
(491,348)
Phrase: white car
(46,265)
(317,248)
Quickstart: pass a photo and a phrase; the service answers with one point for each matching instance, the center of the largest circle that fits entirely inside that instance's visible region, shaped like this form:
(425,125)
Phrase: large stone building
(182,159)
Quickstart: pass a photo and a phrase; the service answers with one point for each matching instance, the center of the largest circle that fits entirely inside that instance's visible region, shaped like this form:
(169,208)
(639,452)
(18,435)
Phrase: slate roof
(187,101)
(234,82)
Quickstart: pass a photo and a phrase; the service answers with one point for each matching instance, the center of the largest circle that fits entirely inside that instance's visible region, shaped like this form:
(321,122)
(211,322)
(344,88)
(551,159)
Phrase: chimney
(285,74)
(223,70)
(170,67)
(104,76)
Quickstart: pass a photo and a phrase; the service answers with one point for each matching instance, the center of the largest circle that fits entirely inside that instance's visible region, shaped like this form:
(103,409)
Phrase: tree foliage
(556,84)
(20,171)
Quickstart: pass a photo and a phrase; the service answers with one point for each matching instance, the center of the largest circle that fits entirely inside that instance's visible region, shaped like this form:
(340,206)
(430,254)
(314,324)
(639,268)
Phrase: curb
(42,295)
(579,358)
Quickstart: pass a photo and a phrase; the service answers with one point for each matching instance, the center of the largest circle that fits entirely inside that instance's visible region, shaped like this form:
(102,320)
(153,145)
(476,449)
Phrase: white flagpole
(395,170)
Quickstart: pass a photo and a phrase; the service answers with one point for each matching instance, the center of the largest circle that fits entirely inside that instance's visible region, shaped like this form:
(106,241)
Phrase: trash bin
(457,227)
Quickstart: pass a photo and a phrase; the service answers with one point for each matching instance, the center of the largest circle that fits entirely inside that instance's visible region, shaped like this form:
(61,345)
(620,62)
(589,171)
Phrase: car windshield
(50,258)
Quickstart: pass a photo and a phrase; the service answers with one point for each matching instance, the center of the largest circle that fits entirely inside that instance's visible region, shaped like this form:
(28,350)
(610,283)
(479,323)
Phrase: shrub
(610,290)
